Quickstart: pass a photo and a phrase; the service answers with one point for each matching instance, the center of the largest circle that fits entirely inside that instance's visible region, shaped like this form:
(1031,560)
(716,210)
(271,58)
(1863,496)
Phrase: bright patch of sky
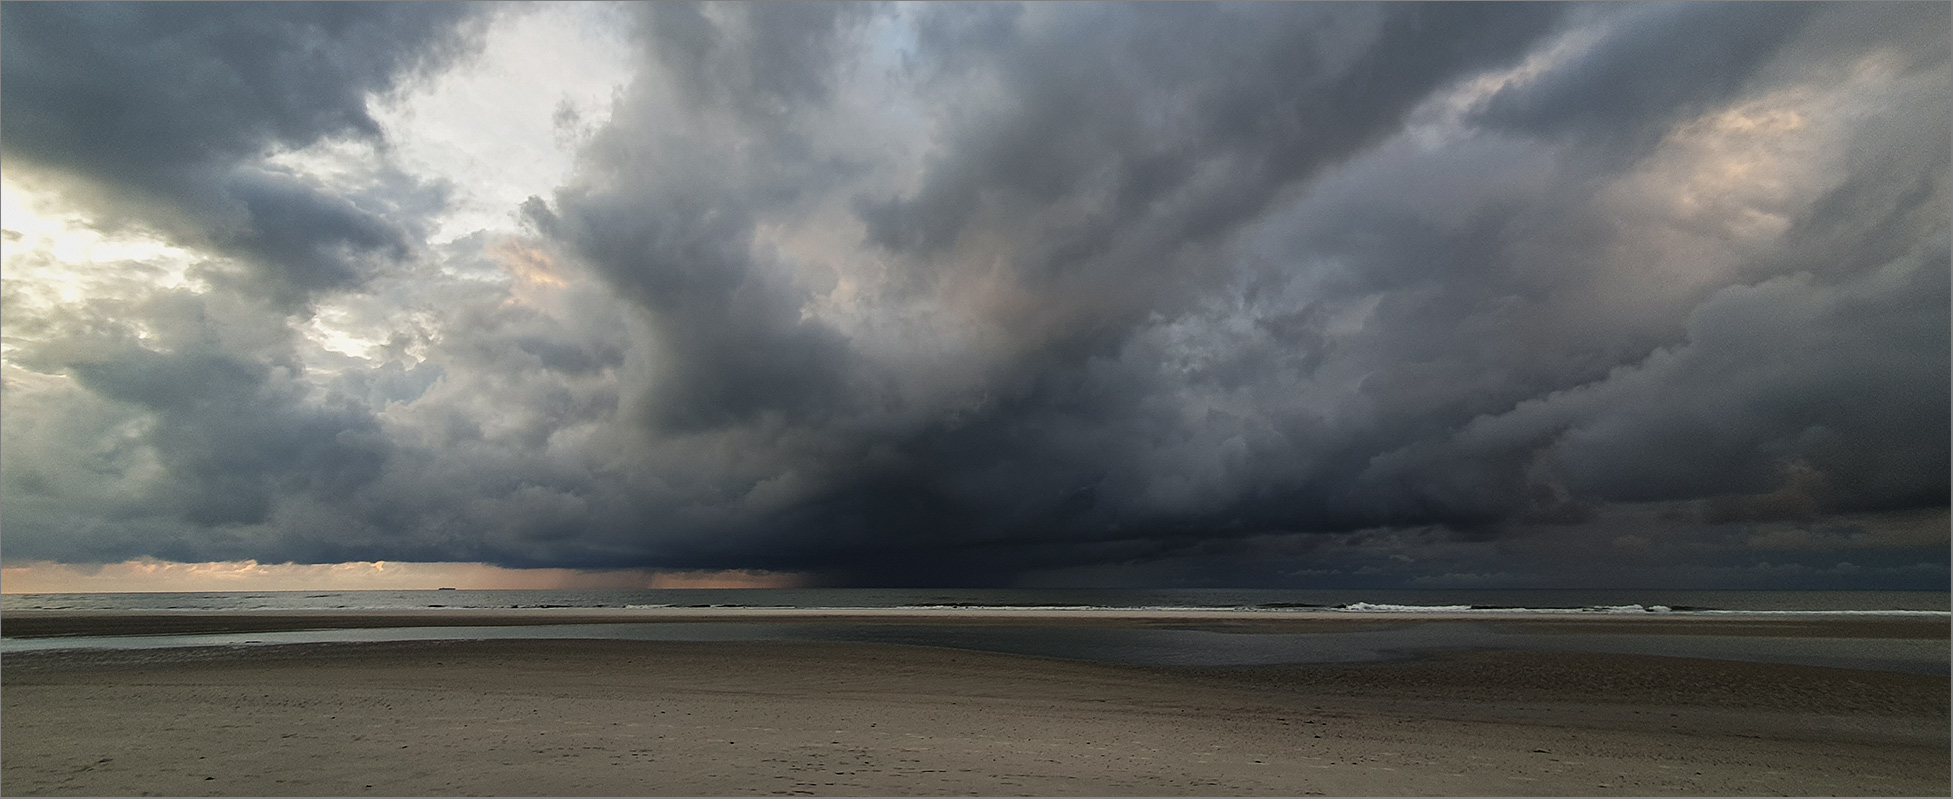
(53,257)
(496,129)
(504,126)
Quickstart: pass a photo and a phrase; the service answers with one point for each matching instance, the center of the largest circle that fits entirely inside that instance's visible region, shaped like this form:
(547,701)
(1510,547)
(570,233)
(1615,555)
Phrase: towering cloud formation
(1396,293)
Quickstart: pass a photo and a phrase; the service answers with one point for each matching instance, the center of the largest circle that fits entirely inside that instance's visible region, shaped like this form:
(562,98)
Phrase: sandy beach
(594,717)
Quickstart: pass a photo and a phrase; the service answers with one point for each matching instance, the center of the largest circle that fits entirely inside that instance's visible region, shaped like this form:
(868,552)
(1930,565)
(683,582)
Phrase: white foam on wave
(1376,607)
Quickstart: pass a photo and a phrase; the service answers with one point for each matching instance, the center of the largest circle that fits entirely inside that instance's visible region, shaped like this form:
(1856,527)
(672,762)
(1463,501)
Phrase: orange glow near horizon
(249,575)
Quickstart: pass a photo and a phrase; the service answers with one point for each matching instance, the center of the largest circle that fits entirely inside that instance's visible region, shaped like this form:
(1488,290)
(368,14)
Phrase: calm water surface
(1185,645)
(1263,599)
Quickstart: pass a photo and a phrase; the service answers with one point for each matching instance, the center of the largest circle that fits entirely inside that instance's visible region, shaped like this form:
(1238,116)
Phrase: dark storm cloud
(231,423)
(1212,112)
(1134,140)
(1148,407)
(759,60)
(162,116)
(730,340)
(1269,293)
(1783,381)
(1661,62)
(163,112)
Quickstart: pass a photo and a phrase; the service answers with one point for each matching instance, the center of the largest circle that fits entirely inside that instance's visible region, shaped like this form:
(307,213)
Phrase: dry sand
(594,717)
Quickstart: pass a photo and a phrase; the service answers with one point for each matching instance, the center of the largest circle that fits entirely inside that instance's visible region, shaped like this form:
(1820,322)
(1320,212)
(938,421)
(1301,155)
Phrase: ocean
(1353,600)
(1191,644)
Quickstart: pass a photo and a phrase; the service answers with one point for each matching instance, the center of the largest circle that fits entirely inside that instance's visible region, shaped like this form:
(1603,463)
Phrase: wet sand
(594,717)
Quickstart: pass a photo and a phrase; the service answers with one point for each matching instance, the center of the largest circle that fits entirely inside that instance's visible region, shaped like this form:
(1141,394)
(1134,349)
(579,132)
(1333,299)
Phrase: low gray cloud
(1392,294)
(1653,65)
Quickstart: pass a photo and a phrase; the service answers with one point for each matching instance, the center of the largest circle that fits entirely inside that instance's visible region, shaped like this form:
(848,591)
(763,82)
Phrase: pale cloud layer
(1271,294)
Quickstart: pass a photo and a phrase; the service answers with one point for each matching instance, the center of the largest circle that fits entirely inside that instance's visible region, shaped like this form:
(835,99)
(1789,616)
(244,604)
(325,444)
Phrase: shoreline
(38,623)
(605,717)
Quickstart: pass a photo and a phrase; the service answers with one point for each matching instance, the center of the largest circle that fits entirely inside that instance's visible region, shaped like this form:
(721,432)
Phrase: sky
(1449,295)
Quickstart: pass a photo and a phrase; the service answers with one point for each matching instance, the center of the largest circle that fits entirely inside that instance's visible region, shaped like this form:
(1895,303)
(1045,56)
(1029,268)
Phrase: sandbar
(646,718)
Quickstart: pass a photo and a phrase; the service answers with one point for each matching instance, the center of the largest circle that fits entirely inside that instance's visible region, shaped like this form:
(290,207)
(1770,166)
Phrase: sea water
(1196,643)
(1267,600)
